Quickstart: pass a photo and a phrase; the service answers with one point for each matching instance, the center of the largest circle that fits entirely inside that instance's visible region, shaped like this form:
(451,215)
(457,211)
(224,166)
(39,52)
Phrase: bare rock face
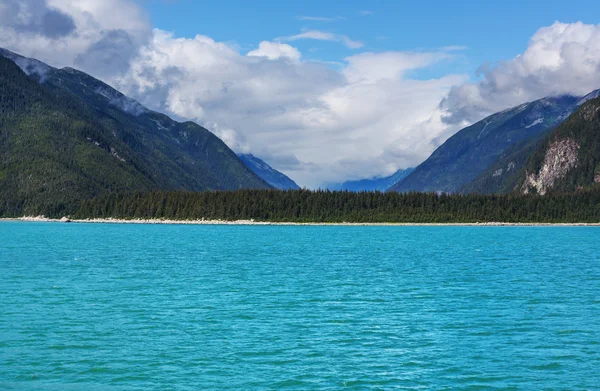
(590,112)
(561,157)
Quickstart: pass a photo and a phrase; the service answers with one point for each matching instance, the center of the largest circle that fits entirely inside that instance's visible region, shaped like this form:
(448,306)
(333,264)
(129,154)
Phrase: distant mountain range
(487,156)
(273,177)
(372,184)
(66,136)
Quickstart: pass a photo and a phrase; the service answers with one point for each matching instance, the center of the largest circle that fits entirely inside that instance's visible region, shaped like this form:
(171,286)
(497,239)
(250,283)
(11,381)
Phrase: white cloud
(93,21)
(560,59)
(276,50)
(365,13)
(324,36)
(36,17)
(330,124)
(371,67)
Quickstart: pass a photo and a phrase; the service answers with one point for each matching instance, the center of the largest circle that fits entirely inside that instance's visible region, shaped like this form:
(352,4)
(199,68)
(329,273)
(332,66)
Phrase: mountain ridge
(469,152)
(267,173)
(502,176)
(85,138)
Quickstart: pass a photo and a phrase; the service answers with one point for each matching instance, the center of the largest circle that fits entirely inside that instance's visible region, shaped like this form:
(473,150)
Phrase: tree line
(342,206)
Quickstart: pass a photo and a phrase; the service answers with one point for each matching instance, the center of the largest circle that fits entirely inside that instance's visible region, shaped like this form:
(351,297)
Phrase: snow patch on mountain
(536,122)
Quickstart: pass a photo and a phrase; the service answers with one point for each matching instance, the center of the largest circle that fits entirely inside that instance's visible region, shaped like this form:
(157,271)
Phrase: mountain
(268,174)
(502,176)
(372,184)
(569,158)
(65,136)
(467,154)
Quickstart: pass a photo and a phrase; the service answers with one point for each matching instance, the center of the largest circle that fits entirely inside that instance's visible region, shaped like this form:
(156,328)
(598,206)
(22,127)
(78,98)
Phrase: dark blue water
(143,307)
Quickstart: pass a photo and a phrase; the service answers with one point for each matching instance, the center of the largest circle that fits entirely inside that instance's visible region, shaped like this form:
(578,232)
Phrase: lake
(176,307)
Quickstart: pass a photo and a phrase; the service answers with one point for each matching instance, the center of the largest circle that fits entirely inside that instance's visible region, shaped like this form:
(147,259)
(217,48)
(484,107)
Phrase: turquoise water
(146,307)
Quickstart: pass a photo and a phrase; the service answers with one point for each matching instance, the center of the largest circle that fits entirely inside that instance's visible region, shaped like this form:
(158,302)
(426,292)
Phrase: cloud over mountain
(315,121)
(560,59)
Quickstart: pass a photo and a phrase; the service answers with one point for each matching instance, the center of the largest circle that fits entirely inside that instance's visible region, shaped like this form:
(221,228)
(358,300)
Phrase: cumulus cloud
(111,53)
(275,50)
(560,59)
(314,122)
(35,17)
(371,67)
(324,36)
(74,28)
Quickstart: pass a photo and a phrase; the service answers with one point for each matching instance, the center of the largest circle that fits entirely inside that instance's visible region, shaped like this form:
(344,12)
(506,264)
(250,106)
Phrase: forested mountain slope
(65,136)
(569,158)
(502,176)
(467,154)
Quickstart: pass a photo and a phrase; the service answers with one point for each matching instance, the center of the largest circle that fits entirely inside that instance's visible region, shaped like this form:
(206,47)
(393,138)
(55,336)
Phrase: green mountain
(569,158)
(467,154)
(267,173)
(502,176)
(65,136)
(505,173)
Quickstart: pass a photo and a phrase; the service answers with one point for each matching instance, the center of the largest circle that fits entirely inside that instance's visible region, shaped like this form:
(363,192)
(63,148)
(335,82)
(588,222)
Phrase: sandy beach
(44,219)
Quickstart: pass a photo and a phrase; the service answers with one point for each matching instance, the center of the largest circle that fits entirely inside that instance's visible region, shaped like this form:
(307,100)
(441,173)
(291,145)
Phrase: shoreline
(43,219)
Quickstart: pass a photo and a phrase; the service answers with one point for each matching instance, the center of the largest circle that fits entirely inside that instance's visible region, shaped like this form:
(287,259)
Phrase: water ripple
(128,307)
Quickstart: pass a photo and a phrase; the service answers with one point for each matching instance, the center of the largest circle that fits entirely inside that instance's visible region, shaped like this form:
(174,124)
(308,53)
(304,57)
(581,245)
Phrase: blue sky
(490,31)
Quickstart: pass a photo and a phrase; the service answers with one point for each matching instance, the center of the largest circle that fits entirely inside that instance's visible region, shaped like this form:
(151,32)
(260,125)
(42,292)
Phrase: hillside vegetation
(65,137)
(471,151)
(336,207)
(569,158)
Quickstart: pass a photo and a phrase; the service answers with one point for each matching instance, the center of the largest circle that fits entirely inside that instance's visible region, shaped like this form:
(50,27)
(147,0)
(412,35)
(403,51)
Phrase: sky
(324,91)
